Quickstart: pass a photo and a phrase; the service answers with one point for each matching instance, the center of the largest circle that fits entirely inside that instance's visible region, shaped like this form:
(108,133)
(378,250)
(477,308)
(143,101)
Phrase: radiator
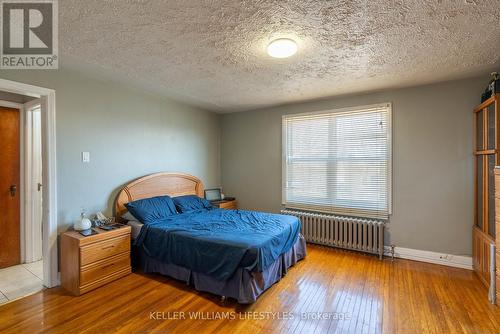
(359,234)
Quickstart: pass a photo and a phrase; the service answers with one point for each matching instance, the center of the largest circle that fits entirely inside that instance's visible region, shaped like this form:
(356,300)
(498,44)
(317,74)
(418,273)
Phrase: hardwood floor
(353,293)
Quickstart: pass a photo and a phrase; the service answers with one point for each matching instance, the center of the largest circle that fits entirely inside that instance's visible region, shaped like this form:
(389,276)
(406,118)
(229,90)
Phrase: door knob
(13,190)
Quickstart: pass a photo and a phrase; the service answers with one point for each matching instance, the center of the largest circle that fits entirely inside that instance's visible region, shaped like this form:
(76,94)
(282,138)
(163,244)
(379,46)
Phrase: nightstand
(90,262)
(233,205)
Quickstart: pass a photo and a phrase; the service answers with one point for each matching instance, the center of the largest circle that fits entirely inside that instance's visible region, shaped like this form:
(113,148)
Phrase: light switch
(85,156)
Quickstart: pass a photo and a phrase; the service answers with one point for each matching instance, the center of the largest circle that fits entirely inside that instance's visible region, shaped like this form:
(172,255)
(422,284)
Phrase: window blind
(339,161)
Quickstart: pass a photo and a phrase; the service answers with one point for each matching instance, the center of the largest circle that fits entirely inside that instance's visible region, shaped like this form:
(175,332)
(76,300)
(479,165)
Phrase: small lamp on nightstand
(83,223)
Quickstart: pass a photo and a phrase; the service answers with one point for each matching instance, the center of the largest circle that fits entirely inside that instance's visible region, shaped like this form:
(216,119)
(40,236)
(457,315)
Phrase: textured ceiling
(212,53)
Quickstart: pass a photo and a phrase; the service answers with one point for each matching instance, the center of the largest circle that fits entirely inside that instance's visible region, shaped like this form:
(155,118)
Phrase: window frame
(332,209)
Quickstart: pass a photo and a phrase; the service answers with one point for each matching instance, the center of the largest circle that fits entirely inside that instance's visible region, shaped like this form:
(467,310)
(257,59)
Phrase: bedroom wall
(128,134)
(432,160)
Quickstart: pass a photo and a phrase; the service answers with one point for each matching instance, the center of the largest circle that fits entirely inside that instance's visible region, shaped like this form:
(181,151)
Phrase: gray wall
(432,160)
(128,134)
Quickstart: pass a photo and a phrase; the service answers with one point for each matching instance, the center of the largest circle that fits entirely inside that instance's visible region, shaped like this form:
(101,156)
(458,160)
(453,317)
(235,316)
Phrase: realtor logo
(28,34)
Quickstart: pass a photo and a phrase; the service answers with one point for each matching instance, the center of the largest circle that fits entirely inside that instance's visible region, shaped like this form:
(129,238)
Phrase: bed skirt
(244,286)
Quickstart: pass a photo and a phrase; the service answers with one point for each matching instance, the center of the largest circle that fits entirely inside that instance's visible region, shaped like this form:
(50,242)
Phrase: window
(339,161)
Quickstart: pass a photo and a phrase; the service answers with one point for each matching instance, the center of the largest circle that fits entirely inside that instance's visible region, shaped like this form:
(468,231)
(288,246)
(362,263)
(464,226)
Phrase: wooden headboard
(172,184)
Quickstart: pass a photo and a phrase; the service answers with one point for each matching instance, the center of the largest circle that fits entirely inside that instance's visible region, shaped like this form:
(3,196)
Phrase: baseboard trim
(457,261)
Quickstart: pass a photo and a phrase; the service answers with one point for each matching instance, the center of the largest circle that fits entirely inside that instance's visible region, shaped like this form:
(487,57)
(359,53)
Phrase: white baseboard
(457,261)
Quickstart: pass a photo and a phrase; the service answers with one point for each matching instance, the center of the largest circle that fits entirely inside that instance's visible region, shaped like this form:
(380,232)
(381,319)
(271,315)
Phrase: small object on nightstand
(101,220)
(213,194)
(90,262)
(88,232)
(83,224)
(111,227)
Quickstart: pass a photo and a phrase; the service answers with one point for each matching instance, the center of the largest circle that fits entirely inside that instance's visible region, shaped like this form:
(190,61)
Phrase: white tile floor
(20,281)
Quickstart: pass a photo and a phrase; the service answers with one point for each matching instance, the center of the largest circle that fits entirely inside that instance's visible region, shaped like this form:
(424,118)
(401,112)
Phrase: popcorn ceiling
(211,53)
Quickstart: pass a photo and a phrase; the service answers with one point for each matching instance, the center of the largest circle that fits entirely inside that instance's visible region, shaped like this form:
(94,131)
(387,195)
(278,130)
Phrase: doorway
(21,256)
(46,110)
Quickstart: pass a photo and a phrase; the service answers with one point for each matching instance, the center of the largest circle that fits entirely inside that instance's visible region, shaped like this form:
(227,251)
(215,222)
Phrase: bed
(231,253)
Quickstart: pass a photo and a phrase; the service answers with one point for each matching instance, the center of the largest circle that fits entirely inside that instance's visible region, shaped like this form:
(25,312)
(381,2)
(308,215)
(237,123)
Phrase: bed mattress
(136,228)
(217,242)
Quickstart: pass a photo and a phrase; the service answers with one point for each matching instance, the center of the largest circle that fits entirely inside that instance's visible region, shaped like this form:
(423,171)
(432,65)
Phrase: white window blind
(339,161)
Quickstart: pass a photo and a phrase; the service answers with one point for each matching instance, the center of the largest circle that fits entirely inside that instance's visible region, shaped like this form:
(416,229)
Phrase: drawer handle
(107,266)
(108,247)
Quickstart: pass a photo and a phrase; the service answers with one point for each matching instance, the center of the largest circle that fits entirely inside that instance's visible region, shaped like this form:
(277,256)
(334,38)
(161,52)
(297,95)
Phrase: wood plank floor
(331,291)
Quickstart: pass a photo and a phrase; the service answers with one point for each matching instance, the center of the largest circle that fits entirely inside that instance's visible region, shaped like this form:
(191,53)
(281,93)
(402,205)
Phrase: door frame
(26,175)
(28,184)
(49,224)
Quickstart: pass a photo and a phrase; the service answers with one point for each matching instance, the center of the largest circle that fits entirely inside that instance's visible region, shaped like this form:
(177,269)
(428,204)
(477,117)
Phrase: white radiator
(365,235)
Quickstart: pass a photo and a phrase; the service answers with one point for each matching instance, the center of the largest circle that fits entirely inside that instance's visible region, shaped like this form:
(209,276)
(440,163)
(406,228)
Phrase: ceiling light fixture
(282,48)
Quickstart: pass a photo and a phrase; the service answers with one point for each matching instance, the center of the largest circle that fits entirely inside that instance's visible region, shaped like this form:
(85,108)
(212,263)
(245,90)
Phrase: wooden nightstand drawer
(105,280)
(229,205)
(98,270)
(103,250)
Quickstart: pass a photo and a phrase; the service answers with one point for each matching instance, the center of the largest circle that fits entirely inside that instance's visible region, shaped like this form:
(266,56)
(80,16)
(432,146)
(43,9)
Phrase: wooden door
(10,247)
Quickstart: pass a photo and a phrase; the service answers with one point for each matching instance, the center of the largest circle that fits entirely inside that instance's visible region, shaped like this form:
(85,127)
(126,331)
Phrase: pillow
(151,209)
(191,203)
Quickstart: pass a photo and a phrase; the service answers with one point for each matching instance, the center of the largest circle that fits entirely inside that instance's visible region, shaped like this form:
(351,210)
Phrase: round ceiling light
(282,48)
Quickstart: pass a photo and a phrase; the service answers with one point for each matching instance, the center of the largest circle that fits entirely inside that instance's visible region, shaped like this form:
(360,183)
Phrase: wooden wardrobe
(486,157)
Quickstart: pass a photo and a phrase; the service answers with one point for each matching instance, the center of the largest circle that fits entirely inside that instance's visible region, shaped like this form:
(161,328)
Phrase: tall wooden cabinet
(497,228)
(486,157)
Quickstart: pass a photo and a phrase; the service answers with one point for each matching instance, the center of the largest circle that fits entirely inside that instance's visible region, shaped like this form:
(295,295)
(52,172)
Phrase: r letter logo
(28,34)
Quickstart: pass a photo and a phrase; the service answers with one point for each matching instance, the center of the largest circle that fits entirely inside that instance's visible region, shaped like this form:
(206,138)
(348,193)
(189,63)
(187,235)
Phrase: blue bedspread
(217,242)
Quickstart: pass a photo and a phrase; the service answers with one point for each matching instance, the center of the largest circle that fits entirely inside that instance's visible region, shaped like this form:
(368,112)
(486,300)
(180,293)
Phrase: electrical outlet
(85,157)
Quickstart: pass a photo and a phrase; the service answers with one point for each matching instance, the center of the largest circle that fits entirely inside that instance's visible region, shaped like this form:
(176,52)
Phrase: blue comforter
(217,242)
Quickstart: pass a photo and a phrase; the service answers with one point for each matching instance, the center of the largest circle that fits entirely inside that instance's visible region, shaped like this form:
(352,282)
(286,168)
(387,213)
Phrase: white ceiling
(211,53)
